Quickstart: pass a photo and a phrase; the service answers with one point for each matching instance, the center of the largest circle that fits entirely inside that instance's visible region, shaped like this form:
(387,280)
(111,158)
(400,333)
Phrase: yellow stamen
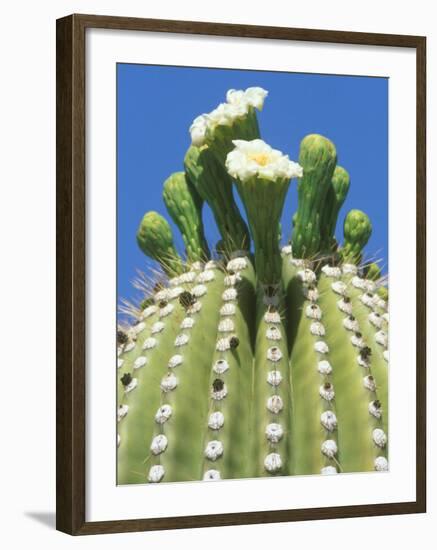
(261,158)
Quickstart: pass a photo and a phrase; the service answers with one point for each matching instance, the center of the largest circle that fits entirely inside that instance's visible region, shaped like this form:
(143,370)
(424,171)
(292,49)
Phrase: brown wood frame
(70,205)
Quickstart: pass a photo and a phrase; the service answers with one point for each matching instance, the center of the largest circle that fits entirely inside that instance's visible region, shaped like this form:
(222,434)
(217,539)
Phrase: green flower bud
(357,230)
(335,198)
(318,158)
(185,207)
(155,239)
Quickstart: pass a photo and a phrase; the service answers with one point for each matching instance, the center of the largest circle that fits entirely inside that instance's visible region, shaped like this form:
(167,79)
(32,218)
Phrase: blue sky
(156,105)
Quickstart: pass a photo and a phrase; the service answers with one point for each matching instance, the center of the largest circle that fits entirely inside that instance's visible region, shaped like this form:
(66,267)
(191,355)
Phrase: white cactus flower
(223,344)
(326,391)
(369,383)
(275,404)
(274,378)
(188,277)
(329,448)
(328,470)
(131,386)
(206,276)
(274,432)
(166,310)
(128,347)
(157,327)
(221,366)
(149,311)
(273,462)
(312,311)
(307,276)
(175,361)
(321,347)
(272,317)
(385,354)
(187,323)
(251,97)
(122,412)
(375,319)
(140,362)
(149,343)
(237,264)
(198,130)
(273,333)
(274,354)
(256,158)
(349,269)
(169,382)
(163,414)
(216,420)
(230,294)
(375,409)
(175,292)
(328,420)
(345,306)
(381,464)
(120,363)
(218,395)
(350,323)
(331,271)
(358,282)
(339,287)
(199,290)
(211,475)
(228,309)
(181,340)
(324,367)
(286,250)
(381,338)
(214,450)
(159,444)
(156,473)
(226,325)
(317,329)
(379,437)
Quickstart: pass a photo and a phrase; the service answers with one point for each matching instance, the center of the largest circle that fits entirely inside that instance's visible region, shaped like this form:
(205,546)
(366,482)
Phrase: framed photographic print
(241,274)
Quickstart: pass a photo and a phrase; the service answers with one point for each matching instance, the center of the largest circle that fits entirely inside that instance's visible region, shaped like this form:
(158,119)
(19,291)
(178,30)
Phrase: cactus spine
(255,365)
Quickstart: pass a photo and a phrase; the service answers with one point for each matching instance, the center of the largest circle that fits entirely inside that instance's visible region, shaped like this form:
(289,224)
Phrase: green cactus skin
(212,182)
(235,433)
(155,239)
(303,332)
(264,222)
(185,207)
(318,158)
(357,230)
(272,395)
(335,198)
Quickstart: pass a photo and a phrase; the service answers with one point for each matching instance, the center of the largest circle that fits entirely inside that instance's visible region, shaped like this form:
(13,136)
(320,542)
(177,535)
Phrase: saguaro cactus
(255,365)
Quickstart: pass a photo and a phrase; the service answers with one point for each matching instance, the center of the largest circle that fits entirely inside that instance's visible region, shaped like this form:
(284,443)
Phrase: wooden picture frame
(71,284)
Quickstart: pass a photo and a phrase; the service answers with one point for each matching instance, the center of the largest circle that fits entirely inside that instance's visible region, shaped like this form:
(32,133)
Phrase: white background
(27,125)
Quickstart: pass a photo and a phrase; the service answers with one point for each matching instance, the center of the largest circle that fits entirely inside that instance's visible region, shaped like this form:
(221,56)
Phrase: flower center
(260,158)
